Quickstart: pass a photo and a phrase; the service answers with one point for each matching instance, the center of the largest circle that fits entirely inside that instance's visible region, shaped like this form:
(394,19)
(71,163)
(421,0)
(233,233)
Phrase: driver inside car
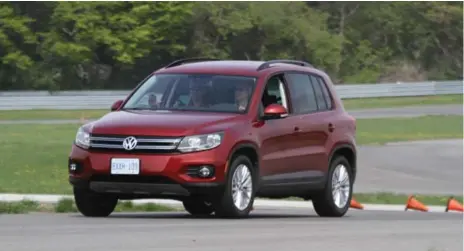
(152,101)
(198,93)
(242,95)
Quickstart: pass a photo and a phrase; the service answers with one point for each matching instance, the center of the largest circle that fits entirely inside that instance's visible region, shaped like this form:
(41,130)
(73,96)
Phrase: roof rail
(267,64)
(187,60)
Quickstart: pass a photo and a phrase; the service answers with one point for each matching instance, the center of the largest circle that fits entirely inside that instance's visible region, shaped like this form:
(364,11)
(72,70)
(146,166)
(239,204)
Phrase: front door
(277,137)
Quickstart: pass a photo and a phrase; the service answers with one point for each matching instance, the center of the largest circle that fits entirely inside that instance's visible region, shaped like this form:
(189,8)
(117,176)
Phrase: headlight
(82,138)
(200,142)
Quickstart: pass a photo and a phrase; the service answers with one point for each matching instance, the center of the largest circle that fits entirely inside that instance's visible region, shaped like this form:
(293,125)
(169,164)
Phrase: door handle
(331,127)
(296,129)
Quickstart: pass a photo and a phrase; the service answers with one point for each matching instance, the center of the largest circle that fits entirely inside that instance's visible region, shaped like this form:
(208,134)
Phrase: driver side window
(274,93)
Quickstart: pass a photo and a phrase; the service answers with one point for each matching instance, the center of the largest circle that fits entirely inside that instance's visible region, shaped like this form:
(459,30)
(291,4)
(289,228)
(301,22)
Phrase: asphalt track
(409,111)
(425,167)
(265,230)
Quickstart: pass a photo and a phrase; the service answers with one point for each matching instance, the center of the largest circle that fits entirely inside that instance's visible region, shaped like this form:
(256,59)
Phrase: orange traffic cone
(453,205)
(355,204)
(414,204)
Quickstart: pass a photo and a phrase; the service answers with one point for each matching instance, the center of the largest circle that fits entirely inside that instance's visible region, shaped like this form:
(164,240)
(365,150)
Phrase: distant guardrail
(26,100)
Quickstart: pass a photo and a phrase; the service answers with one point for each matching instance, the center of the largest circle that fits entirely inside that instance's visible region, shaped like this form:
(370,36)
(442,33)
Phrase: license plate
(125,166)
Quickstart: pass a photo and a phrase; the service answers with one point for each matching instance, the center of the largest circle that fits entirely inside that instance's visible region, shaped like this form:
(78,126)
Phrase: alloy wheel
(242,186)
(340,186)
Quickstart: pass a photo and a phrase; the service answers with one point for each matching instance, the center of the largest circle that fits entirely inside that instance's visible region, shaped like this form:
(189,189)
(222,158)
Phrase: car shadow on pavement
(184,215)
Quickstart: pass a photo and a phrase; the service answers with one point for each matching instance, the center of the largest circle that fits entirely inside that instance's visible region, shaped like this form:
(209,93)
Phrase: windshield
(192,92)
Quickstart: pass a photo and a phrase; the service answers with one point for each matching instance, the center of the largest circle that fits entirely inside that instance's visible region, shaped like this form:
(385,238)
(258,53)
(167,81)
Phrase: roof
(238,67)
(232,67)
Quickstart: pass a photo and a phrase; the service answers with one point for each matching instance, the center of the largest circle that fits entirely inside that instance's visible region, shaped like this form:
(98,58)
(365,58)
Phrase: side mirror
(275,111)
(116,105)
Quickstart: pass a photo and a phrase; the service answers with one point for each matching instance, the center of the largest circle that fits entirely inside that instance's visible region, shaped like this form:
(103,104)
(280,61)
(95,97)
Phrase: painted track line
(259,203)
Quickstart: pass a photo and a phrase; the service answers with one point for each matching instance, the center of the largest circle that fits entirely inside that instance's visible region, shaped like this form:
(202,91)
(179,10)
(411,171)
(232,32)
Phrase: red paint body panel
(160,123)
(169,165)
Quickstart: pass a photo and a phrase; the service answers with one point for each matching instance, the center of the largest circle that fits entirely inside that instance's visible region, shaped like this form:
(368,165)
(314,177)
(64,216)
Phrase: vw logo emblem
(129,143)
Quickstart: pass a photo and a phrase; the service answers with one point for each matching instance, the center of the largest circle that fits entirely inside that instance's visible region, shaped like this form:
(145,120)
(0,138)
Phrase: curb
(259,203)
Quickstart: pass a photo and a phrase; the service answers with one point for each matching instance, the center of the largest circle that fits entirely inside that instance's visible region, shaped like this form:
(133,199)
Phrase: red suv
(216,134)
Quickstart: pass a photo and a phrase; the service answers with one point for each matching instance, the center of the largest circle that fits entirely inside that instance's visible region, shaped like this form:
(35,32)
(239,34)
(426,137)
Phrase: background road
(409,111)
(430,167)
(266,230)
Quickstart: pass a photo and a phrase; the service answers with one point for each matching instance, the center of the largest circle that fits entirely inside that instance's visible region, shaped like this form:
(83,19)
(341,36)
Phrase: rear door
(323,121)
(308,108)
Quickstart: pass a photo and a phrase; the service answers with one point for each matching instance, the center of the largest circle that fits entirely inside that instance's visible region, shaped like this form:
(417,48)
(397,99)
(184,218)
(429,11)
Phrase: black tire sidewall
(328,191)
(197,206)
(92,204)
(226,206)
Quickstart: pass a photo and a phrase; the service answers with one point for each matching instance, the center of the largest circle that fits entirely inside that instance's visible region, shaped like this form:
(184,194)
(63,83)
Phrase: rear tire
(92,204)
(198,207)
(334,200)
(238,196)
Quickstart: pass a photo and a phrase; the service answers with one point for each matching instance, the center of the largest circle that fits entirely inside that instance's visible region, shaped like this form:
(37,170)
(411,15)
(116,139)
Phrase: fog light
(74,166)
(205,171)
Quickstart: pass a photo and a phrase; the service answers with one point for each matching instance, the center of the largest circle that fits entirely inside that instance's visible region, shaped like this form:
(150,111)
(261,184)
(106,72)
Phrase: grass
(387,102)
(68,206)
(33,158)
(51,114)
(19,207)
(364,103)
(383,130)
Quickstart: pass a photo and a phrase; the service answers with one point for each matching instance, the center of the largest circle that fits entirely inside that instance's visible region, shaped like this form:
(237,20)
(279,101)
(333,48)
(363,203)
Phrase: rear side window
(321,103)
(325,91)
(302,93)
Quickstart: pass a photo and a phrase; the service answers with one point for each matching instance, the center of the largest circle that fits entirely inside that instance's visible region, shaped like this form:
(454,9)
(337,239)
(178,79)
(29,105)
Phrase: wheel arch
(247,148)
(349,152)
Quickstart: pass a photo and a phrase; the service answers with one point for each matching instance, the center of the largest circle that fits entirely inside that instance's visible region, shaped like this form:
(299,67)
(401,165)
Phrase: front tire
(92,204)
(334,200)
(238,197)
(198,207)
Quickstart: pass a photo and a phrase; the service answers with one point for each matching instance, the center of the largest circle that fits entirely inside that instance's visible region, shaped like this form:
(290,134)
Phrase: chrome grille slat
(106,139)
(155,147)
(106,146)
(141,140)
(170,141)
(144,143)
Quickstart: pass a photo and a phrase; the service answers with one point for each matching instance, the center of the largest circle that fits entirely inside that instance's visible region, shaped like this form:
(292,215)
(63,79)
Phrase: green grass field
(387,102)
(51,114)
(69,206)
(349,104)
(33,157)
(383,130)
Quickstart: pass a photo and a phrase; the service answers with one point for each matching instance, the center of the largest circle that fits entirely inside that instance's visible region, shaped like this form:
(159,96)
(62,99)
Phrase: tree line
(113,45)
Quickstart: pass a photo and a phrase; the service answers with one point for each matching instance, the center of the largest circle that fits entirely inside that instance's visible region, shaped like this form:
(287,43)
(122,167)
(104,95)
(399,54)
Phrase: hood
(162,123)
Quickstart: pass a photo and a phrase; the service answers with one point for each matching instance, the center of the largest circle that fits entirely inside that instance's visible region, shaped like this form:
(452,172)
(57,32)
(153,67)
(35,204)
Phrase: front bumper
(161,175)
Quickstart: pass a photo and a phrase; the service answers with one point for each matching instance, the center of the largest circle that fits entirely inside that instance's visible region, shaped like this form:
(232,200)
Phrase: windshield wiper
(136,109)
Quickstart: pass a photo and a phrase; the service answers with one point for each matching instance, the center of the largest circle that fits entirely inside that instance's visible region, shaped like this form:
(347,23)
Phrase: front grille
(145,144)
